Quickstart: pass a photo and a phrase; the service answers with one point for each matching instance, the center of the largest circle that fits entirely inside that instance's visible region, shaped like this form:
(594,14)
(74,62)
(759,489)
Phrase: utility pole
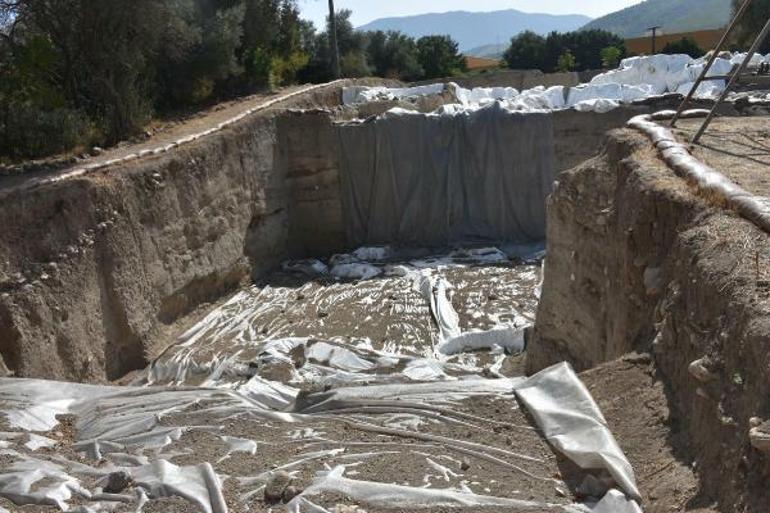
(333,41)
(654,38)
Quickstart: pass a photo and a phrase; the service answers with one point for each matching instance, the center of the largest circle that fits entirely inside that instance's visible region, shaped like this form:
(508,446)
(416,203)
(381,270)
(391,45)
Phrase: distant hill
(488,51)
(475,29)
(671,15)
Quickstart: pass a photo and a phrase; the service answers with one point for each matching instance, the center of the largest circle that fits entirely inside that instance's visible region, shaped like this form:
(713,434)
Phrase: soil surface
(739,148)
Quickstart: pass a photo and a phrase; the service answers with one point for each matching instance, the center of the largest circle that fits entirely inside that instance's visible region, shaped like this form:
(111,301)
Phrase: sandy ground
(739,148)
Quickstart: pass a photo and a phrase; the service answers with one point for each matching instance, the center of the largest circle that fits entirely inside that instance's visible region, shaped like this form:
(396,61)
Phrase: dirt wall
(636,261)
(95,270)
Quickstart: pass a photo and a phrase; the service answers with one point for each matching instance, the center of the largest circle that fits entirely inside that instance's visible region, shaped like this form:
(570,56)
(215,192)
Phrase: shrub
(566,62)
(611,57)
(686,46)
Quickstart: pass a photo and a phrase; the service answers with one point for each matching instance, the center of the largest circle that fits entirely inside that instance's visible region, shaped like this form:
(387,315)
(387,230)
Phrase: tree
(527,51)
(566,62)
(686,45)
(394,55)
(611,57)
(76,72)
(333,39)
(439,57)
(531,51)
(752,23)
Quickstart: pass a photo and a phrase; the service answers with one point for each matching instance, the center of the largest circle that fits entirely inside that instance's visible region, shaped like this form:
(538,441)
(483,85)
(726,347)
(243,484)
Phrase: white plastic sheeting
(636,78)
(120,424)
(392,496)
(140,430)
(571,420)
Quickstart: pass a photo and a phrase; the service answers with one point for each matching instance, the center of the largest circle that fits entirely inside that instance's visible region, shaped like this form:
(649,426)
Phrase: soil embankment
(638,261)
(95,266)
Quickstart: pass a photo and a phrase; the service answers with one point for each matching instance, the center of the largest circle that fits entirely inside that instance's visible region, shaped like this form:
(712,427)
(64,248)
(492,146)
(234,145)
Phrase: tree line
(569,51)
(79,73)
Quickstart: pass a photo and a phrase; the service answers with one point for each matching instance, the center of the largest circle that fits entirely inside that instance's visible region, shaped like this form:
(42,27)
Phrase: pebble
(699,371)
(290,492)
(276,485)
(117,482)
(465,464)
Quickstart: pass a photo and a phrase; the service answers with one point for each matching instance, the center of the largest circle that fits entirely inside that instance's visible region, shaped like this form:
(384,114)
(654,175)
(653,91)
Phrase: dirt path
(165,137)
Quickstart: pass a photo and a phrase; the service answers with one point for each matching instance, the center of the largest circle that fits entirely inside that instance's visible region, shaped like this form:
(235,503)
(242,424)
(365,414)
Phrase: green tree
(566,62)
(526,51)
(611,57)
(686,45)
(80,72)
(751,23)
(394,55)
(585,45)
(439,56)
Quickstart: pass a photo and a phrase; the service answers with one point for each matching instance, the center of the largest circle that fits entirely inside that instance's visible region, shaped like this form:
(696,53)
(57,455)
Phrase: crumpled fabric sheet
(452,340)
(573,423)
(395,496)
(708,180)
(422,180)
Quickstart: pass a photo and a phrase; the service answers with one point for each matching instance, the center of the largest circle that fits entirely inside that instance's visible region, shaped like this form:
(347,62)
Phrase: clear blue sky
(365,11)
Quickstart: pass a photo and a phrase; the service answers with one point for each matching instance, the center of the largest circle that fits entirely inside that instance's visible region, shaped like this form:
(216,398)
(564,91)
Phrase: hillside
(475,29)
(488,51)
(672,15)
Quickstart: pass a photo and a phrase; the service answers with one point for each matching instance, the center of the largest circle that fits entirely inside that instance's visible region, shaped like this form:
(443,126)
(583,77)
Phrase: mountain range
(475,29)
(487,34)
(671,15)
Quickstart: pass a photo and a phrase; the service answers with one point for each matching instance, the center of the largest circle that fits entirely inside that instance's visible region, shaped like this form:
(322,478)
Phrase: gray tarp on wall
(433,180)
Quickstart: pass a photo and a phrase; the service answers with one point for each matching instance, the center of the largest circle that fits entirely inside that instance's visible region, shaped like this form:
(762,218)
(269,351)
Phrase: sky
(365,11)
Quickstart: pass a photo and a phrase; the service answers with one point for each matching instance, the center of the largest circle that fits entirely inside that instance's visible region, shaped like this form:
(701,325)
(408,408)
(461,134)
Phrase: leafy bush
(27,132)
(611,57)
(686,45)
(566,62)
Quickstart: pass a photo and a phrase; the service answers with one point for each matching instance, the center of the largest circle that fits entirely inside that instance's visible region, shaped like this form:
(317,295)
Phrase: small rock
(653,281)
(96,151)
(290,492)
(117,482)
(322,314)
(760,437)
(300,297)
(638,358)
(492,297)
(699,371)
(276,485)
(465,464)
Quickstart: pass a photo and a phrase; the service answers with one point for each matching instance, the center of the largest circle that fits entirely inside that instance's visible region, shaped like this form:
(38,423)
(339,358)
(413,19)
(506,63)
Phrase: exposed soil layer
(94,268)
(638,261)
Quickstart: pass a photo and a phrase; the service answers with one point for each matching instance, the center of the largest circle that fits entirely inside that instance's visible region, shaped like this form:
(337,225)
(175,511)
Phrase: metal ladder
(737,76)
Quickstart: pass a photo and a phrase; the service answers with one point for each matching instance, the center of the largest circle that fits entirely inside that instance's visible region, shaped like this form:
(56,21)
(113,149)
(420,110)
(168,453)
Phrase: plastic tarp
(572,421)
(437,180)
